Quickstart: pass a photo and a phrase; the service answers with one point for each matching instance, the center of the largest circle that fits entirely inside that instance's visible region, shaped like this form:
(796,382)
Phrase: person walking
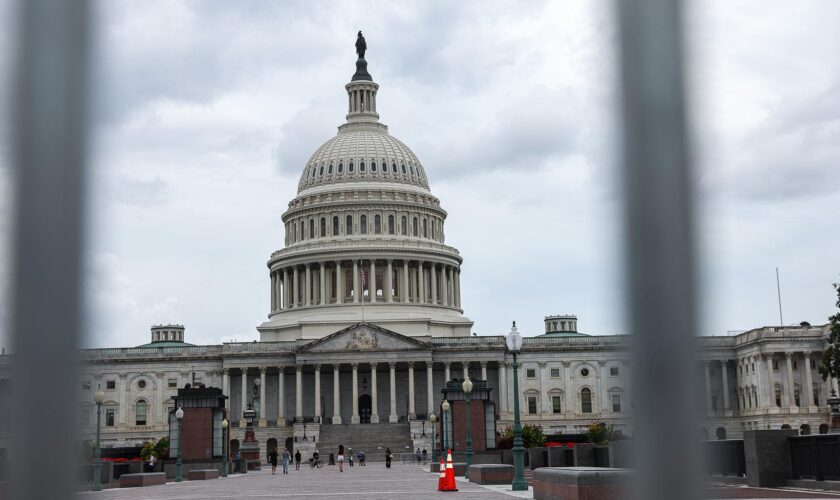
(425,455)
(286,458)
(340,458)
(332,459)
(350,456)
(297,460)
(361,458)
(388,458)
(272,459)
(418,455)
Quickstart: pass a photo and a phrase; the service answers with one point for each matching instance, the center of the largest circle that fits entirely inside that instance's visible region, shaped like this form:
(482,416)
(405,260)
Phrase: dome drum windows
(311,229)
(330,169)
(390,224)
(323,227)
(335,225)
(404,171)
(362,166)
(348,225)
(363,224)
(377,224)
(340,167)
(350,167)
(373,166)
(404,226)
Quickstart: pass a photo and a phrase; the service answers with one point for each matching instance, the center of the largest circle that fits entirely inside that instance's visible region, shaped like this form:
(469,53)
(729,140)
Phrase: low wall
(767,457)
(580,483)
(169,467)
(491,474)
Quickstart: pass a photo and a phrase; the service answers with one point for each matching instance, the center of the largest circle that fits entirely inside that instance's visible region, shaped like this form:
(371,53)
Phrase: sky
(206,113)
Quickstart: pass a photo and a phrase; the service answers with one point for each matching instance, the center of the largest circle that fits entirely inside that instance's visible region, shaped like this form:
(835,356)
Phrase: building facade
(365,326)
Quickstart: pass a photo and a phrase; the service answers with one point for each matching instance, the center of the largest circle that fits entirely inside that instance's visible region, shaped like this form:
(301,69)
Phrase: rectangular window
(85,386)
(555,404)
(613,371)
(111,385)
(555,373)
(616,403)
(775,364)
(172,383)
(109,418)
(794,365)
(813,364)
(532,405)
(753,367)
(140,413)
(530,373)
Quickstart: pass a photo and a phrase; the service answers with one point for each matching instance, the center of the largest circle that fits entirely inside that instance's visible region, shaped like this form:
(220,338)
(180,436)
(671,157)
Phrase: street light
(97,466)
(179,414)
(445,406)
(433,419)
(514,345)
(224,447)
(467,386)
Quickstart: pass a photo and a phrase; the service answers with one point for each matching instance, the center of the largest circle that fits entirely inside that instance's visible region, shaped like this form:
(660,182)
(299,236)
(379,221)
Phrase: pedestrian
(425,455)
(361,458)
(418,455)
(332,459)
(340,458)
(388,457)
(272,459)
(350,456)
(152,462)
(286,458)
(297,460)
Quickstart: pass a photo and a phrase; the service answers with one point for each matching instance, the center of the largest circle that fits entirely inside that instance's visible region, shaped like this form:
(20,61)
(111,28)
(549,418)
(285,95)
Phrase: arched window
(340,167)
(323,227)
(403,168)
(140,412)
(321,171)
(348,225)
(414,223)
(425,229)
(363,224)
(350,167)
(301,230)
(390,224)
(329,170)
(311,228)
(377,224)
(585,400)
(394,168)
(384,167)
(404,226)
(335,226)
(361,166)
(372,166)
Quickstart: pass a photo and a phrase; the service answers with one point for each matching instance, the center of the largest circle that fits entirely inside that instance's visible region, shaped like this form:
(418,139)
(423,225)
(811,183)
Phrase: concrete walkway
(371,482)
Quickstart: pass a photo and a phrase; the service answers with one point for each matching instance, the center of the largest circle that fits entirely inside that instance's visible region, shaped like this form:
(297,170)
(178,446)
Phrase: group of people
(274,456)
(284,457)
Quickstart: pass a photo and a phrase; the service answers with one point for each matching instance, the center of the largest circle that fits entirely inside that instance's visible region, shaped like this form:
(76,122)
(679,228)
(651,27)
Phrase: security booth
(201,436)
(482,416)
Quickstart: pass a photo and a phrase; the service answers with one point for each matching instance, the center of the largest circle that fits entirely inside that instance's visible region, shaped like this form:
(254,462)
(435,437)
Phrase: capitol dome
(364,238)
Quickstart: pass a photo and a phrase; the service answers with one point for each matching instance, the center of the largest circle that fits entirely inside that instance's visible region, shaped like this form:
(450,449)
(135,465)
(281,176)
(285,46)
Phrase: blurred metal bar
(50,122)
(660,249)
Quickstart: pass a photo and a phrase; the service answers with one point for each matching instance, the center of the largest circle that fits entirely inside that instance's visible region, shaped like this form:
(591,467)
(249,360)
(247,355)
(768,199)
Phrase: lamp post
(97,466)
(179,414)
(447,418)
(467,386)
(433,419)
(225,424)
(514,345)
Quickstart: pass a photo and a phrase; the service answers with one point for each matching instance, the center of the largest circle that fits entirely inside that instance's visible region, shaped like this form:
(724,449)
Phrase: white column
(708,387)
(318,392)
(374,399)
(546,409)
(502,388)
(430,395)
(355,281)
(354,419)
(287,289)
(404,288)
(389,283)
(789,360)
(393,418)
(299,393)
(444,300)
(263,404)
(771,402)
(447,372)
(456,285)
(571,398)
(466,365)
(433,271)
(484,370)
(411,413)
(123,410)
(421,282)
(280,291)
(372,281)
(339,283)
(273,292)
(296,294)
(243,395)
(725,378)
(809,383)
(336,396)
(307,286)
(159,403)
(281,397)
(225,388)
(322,291)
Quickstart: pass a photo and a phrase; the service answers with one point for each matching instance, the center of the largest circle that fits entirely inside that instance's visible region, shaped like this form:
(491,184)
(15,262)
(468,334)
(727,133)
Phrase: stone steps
(373,439)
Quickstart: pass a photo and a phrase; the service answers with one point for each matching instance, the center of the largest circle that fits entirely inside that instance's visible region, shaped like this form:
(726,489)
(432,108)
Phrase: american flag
(364,278)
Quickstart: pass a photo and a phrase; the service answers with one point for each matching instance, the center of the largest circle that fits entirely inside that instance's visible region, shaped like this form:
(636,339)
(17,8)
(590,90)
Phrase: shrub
(599,433)
(532,437)
(162,448)
(148,449)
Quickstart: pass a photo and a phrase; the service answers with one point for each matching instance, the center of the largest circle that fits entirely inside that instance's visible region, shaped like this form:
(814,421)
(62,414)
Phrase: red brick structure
(201,428)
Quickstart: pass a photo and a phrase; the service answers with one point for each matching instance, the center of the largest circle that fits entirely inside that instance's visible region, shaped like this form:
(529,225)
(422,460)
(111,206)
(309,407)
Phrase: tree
(830,363)
(599,433)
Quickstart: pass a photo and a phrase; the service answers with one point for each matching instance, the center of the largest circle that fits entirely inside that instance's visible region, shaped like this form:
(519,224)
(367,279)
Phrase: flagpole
(362,291)
(779,294)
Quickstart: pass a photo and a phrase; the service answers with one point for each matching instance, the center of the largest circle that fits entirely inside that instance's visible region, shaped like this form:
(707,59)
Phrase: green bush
(162,448)
(599,433)
(532,437)
(147,451)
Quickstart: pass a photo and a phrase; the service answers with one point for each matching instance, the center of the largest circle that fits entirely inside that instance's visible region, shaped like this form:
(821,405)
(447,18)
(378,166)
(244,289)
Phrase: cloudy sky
(207,112)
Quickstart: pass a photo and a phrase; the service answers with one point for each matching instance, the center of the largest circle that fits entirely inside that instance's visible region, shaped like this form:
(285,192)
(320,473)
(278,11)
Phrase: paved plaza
(371,482)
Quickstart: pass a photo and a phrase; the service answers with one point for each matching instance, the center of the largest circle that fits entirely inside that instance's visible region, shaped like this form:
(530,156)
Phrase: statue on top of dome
(361,46)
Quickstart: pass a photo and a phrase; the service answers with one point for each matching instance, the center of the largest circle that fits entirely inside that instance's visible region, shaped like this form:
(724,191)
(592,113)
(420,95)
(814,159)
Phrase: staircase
(370,438)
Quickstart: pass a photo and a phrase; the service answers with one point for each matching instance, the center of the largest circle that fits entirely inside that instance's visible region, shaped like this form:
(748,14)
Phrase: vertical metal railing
(658,227)
(49,131)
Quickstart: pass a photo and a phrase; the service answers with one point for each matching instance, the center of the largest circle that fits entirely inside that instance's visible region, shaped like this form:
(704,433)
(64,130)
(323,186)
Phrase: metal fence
(815,457)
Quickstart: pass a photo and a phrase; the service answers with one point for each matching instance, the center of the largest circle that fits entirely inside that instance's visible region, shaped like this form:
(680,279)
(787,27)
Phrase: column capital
(807,354)
(392,364)
(298,367)
(768,355)
(789,354)
(447,364)
(336,367)
(484,364)
(263,369)
(373,365)
(411,364)
(355,366)
(317,367)
(723,361)
(225,371)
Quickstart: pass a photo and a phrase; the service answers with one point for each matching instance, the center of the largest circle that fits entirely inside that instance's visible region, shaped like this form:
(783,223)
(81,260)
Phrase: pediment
(364,337)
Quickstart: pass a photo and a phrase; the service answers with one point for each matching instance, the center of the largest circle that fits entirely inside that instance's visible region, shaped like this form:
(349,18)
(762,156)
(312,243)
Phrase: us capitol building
(365,327)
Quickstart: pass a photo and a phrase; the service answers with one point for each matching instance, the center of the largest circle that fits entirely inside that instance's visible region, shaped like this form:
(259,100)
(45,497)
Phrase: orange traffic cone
(449,479)
(442,477)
